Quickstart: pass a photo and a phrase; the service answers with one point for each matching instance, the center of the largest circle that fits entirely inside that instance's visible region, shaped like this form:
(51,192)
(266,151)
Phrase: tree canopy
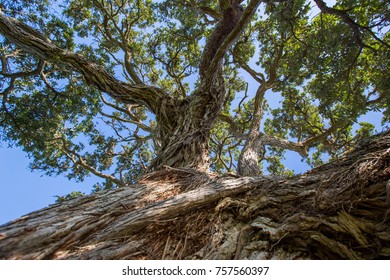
(120,88)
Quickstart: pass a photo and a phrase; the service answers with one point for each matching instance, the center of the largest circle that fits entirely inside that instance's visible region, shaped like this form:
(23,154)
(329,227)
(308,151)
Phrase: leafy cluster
(300,78)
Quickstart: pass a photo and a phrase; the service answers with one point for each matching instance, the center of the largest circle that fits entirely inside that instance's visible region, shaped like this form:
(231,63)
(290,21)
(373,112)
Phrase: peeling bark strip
(337,211)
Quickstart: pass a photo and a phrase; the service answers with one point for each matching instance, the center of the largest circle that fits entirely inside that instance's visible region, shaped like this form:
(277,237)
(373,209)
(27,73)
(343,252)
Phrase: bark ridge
(337,211)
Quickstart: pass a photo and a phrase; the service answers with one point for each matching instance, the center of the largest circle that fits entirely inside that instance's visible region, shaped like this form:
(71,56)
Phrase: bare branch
(320,137)
(119,119)
(4,95)
(381,97)
(233,126)
(77,159)
(298,147)
(123,44)
(257,76)
(34,72)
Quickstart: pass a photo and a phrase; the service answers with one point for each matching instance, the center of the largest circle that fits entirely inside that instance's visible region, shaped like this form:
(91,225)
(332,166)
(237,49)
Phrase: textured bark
(184,127)
(231,15)
(248,162)
(337,211)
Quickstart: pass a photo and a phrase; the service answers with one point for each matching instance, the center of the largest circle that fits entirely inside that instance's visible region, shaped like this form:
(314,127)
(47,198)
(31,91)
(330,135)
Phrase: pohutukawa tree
(120,89)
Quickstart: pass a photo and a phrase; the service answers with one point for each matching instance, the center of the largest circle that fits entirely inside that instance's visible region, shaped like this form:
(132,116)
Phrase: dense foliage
(299,77)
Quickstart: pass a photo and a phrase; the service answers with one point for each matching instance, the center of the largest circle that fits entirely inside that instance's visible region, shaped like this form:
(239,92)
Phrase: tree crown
(104,86)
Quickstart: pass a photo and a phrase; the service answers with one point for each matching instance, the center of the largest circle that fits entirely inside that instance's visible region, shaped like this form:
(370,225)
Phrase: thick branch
(253,150)
(35,43)
(298,147)
(229,28)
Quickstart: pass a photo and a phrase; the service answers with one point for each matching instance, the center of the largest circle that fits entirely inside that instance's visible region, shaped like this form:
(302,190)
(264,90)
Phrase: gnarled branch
(35,43)
(213,55)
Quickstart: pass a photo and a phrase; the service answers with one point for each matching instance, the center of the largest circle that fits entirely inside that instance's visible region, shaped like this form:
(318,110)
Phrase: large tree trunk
(183,128)
(337,211)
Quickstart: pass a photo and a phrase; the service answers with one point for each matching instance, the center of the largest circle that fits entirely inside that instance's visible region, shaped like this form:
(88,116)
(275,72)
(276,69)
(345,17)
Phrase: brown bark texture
(337,211)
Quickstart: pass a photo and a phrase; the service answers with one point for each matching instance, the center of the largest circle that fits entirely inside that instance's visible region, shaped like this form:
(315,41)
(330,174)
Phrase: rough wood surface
(337,211)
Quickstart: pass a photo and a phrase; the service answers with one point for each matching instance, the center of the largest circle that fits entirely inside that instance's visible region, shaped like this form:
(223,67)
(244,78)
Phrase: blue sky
(23,191)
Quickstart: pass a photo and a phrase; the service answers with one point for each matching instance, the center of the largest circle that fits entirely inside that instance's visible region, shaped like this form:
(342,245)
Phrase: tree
(129,89)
